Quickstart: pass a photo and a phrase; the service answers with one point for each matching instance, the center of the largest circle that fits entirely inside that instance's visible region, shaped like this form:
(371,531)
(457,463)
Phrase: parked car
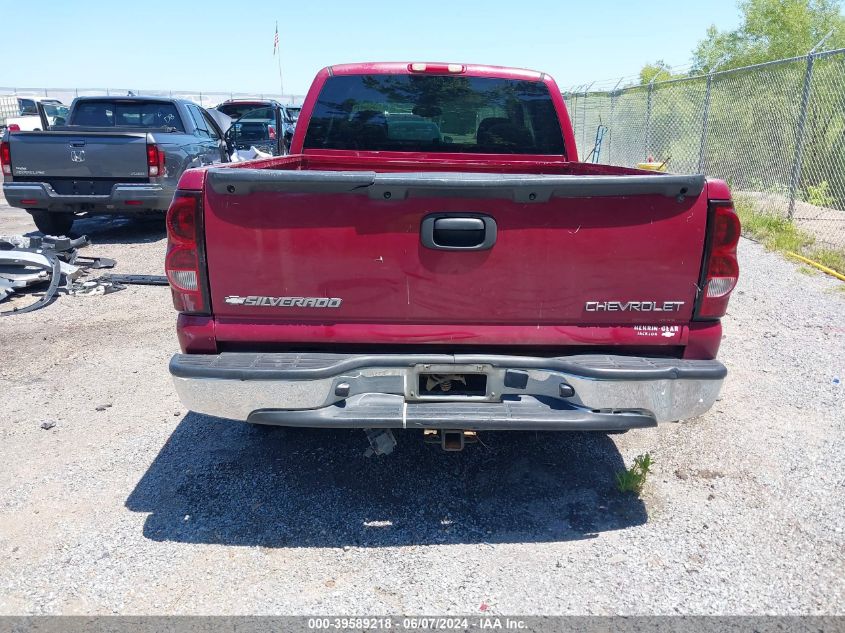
(116,155)
(14,108)
(433,256)
(56,113)
(272,117)
(259,129)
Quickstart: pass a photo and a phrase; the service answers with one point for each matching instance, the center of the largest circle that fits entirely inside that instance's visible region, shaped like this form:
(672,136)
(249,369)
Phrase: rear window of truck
(237,110)
(143,114)
(433,113)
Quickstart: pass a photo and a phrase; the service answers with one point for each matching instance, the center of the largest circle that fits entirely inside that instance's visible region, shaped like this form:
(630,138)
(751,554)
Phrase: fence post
(798,160)
(614,96)
(573,109)
(583,125)
(584,120)
(706,113)
(648,118)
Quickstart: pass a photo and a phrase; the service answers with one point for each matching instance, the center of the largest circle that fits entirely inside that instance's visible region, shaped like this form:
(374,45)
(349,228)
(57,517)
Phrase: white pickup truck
(21,113)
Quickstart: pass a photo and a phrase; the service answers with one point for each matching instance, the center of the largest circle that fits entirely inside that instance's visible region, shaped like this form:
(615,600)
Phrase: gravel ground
(132,505)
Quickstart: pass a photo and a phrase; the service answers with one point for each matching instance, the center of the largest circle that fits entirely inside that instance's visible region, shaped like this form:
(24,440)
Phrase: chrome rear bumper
(589,392)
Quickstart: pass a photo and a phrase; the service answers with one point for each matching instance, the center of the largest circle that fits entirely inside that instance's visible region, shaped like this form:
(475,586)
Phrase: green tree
(658,71)
(771,29)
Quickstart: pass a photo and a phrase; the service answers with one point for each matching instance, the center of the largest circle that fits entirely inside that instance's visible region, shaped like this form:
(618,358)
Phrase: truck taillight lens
(185,262)
(271,132)
(721,269)
(155,161)
(6,158)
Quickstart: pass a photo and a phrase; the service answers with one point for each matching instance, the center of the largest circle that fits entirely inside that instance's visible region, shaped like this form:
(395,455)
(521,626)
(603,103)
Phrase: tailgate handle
(458,232)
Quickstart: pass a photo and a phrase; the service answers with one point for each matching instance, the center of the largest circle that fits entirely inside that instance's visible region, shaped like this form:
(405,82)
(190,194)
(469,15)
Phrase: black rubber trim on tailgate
(524,188)
(386,411)
(311,366)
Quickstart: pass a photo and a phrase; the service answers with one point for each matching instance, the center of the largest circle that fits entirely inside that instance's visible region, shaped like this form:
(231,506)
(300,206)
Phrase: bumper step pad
(391,411)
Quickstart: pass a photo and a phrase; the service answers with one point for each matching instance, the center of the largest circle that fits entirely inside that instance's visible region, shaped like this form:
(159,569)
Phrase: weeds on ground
(633,479)
(819,195)
(830,258)
(776,233)
(779,234)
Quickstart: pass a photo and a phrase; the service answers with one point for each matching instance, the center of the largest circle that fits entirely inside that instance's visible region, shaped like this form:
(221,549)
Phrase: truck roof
(402,68)
(131,99)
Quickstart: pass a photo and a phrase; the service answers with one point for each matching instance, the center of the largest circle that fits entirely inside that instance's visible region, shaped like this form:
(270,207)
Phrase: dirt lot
(130,504)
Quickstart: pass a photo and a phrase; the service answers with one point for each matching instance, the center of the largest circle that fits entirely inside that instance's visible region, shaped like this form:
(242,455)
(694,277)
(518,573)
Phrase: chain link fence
(205,99)
(775,132)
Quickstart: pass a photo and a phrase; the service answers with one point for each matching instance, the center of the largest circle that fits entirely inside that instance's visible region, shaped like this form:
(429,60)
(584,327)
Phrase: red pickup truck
(432,255)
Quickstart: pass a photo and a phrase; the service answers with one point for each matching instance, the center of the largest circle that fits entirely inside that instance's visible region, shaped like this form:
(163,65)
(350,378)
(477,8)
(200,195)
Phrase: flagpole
(275,49)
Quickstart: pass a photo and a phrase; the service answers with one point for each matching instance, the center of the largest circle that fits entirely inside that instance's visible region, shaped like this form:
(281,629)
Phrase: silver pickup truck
(113,155)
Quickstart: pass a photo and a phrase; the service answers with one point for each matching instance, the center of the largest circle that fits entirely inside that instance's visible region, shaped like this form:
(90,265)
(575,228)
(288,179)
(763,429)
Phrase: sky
(228,46)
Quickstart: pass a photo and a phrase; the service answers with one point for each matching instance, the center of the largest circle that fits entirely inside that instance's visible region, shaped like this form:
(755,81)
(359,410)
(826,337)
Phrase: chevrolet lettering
(633,306)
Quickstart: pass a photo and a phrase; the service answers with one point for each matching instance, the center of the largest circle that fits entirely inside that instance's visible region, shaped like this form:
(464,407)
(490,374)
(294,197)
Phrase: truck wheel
(52,223)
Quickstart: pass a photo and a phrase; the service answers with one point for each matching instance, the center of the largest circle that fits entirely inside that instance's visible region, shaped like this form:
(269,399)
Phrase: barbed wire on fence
(774,131)
(201,97)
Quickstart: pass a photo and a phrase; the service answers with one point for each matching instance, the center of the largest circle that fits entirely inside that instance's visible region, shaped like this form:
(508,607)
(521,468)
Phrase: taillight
(14,127)
(6,157)
(185,260)
(155,161)
(721,269)
(271,131)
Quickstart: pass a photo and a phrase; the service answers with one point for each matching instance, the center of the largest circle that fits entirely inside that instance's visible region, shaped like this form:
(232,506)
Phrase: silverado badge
(284,302)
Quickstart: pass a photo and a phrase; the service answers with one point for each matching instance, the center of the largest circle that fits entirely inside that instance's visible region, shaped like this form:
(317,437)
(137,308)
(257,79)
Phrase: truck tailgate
(79,155)
(565,250)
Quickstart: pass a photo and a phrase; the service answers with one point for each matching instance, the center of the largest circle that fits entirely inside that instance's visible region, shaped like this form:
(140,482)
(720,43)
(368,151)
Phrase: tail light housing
(6,158)
(155,161)
(14,127)
(185,263)
(271,131)
(720,270)
(437,69)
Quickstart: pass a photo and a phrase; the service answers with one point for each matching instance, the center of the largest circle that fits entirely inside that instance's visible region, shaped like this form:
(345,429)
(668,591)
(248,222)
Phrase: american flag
(276,40)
